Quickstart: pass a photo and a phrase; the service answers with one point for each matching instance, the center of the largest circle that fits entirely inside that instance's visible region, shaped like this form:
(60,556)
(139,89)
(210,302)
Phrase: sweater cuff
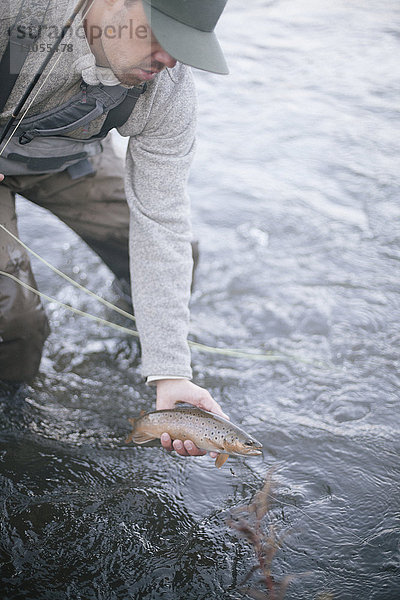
(153,378)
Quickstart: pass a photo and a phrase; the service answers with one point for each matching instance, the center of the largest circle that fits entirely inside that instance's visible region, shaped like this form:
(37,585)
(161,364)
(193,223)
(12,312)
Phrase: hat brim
(199,49)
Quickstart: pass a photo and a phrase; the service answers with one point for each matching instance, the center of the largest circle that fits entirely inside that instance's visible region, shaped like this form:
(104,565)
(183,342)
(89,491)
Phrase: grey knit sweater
(161,131)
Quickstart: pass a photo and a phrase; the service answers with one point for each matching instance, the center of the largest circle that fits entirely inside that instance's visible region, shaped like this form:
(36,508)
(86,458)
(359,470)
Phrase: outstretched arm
(158,162)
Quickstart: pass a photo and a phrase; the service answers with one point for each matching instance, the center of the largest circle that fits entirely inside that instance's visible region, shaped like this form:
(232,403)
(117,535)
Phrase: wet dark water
(295,194)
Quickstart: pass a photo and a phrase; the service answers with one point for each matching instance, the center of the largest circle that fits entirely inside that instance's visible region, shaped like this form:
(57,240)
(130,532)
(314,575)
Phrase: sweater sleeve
(158,162)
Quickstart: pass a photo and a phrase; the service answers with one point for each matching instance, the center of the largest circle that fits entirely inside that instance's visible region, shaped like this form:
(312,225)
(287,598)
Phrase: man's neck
(93,24)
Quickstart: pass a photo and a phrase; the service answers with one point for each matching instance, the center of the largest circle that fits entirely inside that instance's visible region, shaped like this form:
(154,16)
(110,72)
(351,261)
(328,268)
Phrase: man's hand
(171,391)
(1,177)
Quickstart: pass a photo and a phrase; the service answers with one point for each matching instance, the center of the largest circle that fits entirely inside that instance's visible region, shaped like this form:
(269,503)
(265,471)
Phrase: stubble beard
(128,78)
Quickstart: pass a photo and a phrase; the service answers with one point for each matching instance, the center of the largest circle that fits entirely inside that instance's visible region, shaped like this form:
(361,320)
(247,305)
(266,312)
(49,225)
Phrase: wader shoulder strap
(17,49)
(90,102)
(120,114)
(59,150)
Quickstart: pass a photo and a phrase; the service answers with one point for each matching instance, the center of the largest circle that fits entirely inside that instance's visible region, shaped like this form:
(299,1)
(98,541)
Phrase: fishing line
(202,347)
(71,281)
(236,353)
(233,352)
(82,313)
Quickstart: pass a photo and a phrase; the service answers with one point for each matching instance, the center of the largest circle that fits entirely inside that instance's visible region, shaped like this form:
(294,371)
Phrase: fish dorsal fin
(221,460)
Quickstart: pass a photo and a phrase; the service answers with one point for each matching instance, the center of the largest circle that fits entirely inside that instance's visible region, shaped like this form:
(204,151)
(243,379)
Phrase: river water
(295,193)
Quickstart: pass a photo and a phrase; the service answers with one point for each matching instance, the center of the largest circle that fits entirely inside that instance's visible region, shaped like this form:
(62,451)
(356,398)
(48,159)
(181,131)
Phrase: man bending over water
(125,65)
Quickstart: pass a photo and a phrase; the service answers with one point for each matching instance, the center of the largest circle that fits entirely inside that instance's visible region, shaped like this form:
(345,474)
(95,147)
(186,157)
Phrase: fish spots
(206,430)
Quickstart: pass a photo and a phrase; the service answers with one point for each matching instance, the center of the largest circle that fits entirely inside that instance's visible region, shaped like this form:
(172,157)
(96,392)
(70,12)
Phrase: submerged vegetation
(249,522)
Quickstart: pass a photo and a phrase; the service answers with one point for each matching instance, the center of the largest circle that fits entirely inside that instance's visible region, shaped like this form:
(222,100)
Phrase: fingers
(166,442)
(186,448)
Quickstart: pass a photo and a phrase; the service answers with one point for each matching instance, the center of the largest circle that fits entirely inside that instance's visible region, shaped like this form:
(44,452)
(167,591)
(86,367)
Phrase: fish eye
(249,443)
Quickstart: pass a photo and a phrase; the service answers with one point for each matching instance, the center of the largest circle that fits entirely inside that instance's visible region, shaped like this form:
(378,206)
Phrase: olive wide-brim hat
(185,29)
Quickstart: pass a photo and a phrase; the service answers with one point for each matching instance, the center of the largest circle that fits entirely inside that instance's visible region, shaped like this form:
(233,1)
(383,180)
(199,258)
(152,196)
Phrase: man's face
(126,44)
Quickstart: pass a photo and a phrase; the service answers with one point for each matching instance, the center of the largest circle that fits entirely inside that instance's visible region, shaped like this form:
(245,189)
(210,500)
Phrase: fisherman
(123,64)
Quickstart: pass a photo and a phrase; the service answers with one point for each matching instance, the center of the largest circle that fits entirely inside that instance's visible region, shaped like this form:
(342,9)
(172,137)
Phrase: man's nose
(164,58)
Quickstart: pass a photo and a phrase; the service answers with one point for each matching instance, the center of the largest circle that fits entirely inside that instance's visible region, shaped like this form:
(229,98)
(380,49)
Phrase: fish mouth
(255,452)
(253,448)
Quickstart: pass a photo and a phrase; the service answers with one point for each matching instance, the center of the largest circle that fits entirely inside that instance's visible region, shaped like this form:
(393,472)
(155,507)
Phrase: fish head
(243,445)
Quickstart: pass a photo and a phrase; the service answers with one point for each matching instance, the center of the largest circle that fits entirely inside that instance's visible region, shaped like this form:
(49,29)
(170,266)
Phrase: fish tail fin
(139,437)
(130,436)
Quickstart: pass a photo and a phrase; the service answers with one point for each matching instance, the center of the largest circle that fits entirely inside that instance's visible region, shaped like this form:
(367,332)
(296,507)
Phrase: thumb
(212,406)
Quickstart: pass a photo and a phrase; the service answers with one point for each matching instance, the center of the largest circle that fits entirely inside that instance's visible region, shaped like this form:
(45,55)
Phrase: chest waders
(41,143)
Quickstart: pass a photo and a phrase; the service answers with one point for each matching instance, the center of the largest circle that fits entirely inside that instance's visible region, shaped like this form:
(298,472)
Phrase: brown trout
(208,431)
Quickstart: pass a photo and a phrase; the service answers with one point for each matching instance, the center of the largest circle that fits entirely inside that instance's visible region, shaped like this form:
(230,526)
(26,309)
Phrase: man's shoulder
(176,88)
(27,18)
(171,96)
(176,81)
(25,13)
(175,92)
